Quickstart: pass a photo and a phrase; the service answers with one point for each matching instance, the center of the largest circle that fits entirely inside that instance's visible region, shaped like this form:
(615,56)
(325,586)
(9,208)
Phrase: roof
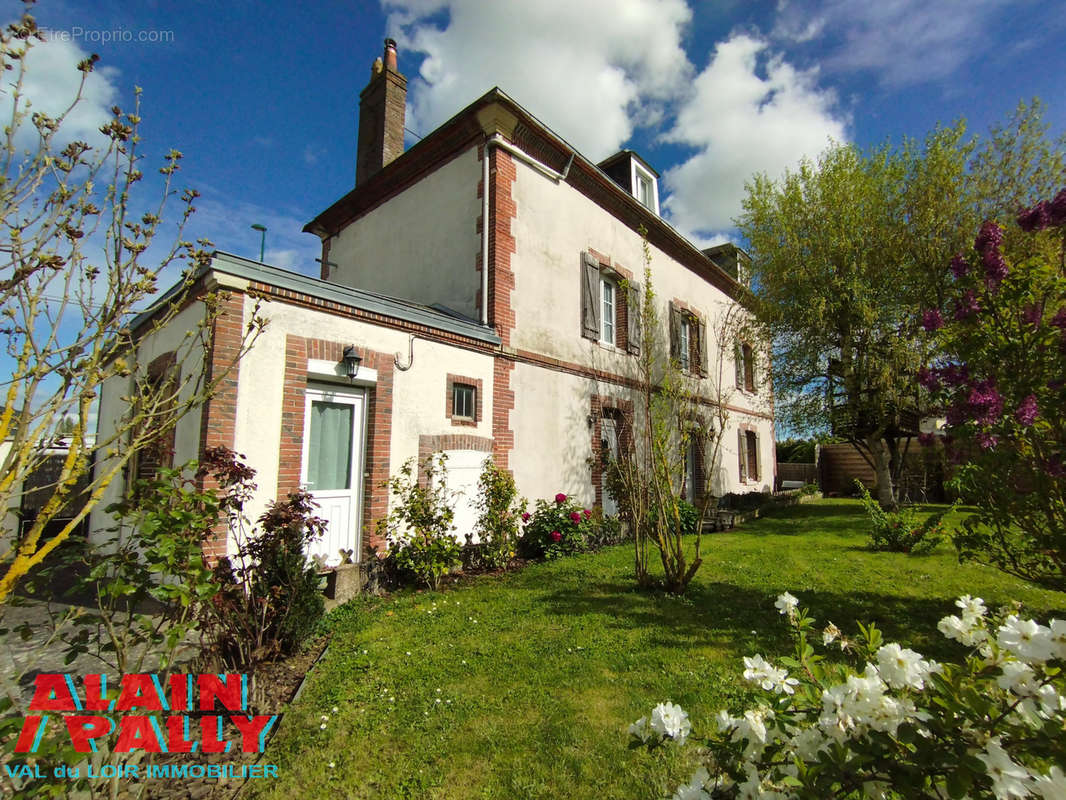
(464,131)
(627,154)
(439,318)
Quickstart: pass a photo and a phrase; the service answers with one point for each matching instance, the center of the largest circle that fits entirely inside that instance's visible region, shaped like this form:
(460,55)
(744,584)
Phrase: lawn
(523,685)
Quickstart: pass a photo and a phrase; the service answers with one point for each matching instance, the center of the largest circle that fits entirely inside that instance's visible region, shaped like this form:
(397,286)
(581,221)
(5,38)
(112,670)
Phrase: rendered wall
(418,394)
(113,407)
(554,225)
(420,245)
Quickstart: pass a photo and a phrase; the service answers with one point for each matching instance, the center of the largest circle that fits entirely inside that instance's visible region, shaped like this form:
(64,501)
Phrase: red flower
(556,536)
(587,513)
(575,516)
(560,498)
(525,516)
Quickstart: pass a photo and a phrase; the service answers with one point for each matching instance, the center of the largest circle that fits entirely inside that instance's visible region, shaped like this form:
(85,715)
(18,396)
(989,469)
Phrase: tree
(1001,383)
(73,253)
(848,250)
(669,419)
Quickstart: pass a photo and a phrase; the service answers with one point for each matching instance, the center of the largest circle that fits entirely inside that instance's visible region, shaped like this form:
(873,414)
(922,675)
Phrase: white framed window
(608,309)
(463,401)
(684,343)
(645,187)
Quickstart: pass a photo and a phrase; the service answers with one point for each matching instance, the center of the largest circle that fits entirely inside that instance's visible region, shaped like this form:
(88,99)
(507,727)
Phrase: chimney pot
(390,54)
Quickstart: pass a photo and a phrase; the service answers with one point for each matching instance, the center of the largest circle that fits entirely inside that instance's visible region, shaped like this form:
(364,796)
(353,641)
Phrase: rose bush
(990,724)
(559,528)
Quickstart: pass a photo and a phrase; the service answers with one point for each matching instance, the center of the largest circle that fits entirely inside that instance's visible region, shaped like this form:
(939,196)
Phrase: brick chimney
(381,116)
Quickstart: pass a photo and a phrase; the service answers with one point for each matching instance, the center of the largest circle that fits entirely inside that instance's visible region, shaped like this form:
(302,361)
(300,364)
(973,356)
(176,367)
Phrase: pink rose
(556,536)
(587,513)
(525,516)
(575,516)
(560,498)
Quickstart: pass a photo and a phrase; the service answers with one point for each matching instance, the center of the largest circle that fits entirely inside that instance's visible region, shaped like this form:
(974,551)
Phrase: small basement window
(463,399)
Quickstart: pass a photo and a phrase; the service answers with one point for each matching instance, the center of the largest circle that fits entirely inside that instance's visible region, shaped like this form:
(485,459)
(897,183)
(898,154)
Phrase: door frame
(330,392)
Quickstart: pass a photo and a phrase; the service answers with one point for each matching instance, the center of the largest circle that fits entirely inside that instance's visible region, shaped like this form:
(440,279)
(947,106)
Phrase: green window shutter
(590,297)
(738,363)
(633,309)
(742,453)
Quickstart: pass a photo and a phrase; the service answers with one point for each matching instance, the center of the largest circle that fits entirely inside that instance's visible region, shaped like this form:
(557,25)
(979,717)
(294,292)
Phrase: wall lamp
(352,360)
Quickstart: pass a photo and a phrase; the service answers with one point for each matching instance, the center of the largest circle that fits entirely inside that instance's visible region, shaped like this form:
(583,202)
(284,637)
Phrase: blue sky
(262,97)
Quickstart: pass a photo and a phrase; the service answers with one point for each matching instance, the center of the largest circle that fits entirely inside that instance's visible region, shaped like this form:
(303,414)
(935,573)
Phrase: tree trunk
(882,463)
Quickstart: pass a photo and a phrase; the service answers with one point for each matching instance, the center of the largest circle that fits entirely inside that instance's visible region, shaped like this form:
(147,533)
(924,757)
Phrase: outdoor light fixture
(352,360)
(262,239)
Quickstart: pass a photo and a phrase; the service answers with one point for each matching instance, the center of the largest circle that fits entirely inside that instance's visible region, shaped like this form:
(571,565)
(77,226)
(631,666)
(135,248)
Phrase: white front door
(332,468)
(610,451)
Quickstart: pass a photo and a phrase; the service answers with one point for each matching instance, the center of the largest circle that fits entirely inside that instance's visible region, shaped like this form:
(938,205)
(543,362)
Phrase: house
(478,289)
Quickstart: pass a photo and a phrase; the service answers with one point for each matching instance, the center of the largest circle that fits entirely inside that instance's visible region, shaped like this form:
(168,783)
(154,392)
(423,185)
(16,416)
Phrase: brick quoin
(218,417)
(378,433)
(502,212)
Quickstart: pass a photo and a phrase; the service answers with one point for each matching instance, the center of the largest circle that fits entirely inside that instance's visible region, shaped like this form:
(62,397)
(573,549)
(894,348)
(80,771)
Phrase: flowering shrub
(896,724)
(1003,390)
(419,527)
(902,531)
(559,528)
(498,523)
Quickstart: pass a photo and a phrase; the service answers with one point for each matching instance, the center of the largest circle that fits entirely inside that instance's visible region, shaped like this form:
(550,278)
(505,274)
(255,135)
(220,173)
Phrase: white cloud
(592,71)
(228,225)
(743,120)
(905,42)
(50,85)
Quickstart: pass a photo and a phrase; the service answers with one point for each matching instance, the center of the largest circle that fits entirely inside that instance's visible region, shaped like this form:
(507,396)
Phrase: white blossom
(1058,638)
(807,743)
(1026,639)
(973,608)
(1018,678)
(694,789)
(830,634)
(1051,786)
(901,667)
(968,632)
(670,720)
(786,604)
(640,729)
(771,678)
(1008,779)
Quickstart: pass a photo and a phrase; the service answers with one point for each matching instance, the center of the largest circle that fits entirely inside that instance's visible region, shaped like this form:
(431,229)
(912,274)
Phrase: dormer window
(635,176)
(645,188)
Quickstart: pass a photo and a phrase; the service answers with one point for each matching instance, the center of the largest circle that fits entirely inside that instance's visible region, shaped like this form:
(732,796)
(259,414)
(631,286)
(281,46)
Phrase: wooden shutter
(633,310)
(701,343)
(754,370)
(738,363)
(748,357)
(675,332)
(753,455)
(742,453)
(590,297)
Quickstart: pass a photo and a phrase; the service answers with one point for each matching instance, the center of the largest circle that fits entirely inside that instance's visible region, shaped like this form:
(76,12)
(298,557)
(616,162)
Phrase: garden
(524,685)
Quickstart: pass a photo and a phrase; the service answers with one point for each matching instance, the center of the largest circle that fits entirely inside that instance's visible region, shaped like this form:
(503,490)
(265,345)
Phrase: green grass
(539,672)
